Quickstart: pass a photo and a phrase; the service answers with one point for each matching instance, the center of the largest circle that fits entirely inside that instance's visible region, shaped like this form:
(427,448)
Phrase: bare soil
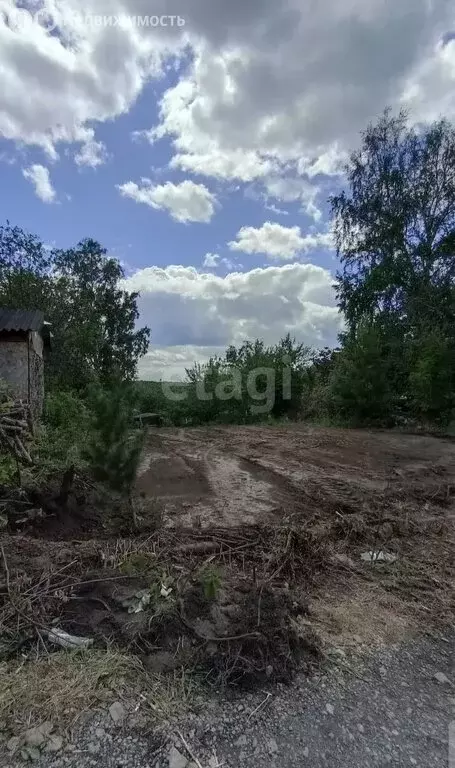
(234,476)
(248,551)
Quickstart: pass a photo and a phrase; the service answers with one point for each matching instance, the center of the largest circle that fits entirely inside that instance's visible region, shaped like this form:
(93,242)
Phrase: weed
(210,579)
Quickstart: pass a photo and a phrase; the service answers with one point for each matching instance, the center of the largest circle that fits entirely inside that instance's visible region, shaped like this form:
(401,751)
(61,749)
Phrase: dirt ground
(234,476)
(246,564)
(354,490)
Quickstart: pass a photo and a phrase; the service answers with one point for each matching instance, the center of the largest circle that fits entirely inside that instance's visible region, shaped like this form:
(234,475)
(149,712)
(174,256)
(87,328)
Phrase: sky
(199,141)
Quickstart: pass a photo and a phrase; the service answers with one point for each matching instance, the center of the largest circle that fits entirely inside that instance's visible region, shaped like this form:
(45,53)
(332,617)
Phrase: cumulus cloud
(185,202)
(39,176)
(429,89)
(278,242)
(296,82)
(170,363)
(211,260)
(289,189)
(55,85)
(187,307)
(243,166)
(92,154)
(267,82)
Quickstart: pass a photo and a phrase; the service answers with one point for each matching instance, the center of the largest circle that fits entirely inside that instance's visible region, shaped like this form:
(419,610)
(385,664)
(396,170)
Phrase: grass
(62,686)
(59,687)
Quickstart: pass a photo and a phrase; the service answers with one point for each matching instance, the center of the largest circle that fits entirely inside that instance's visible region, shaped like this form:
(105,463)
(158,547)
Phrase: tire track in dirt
(200,485)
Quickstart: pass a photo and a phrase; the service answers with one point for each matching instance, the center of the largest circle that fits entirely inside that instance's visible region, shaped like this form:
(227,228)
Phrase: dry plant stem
(259,707)
(189,750)
(18,610)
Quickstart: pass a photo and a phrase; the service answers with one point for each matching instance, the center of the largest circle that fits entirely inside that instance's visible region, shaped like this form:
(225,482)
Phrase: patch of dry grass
(62,686)
(360,614)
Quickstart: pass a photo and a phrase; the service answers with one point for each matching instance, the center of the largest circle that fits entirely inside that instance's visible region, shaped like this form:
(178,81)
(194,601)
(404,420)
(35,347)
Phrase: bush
(113,448)
(359,388)
(64,432)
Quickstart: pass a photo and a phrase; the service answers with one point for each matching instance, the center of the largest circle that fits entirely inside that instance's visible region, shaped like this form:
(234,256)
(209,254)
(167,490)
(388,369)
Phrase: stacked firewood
(15,430)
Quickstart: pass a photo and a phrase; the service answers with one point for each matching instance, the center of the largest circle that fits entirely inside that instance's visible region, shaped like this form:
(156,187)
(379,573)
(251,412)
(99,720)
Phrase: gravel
(389,709)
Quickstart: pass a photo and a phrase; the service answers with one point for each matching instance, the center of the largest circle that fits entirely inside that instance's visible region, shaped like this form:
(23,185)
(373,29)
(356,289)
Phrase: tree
(249,382)
(113,450)
(93,317)
(99,333)
(395,227)
(25,270)
(359,388)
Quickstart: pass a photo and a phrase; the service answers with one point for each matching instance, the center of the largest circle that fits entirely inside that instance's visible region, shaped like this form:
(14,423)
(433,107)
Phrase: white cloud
(55,85)
(274,209)
(215,261)
(185,202)
(278,242)
(295,83)
(92,154)
(429,90)
(170,363)
(243,166)
(211,260)
(288,189)
(267,82)
(38,175)
(328,163)
(186,307)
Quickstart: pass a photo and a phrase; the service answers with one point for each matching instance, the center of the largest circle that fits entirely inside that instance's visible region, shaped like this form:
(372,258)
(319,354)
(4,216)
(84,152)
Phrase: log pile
(15,430)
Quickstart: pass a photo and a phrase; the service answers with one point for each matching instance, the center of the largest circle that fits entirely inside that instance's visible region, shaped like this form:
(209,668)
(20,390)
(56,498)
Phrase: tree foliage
(395,226)
(80,291)
(113,448)
(395,234)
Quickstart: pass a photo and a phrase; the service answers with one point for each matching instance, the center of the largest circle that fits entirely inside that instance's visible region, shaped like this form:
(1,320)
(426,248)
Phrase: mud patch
(166,475)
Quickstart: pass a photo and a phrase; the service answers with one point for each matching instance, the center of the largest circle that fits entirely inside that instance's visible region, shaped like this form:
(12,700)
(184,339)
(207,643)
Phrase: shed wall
(14,366)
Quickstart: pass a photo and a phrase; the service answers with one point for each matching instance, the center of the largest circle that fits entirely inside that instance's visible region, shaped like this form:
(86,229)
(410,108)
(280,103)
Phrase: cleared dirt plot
(237,475)
(257,551)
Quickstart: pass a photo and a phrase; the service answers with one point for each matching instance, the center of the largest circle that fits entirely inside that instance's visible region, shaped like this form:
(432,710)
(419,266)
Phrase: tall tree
(395,234)
(395,225)
(80,291)
(99,332)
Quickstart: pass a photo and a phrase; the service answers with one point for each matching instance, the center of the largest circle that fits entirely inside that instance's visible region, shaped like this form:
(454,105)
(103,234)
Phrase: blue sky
(202,155)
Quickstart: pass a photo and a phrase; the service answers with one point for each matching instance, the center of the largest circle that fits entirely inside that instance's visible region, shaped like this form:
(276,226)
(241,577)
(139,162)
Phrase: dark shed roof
(21,320)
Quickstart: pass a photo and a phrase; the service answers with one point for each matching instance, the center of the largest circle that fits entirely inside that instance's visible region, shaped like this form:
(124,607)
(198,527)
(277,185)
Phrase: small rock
(442,678)
(100,733)
(330,708)
(213,761)
(176,759)
(306,752)
(93,748)
(13,743)
(54,743)
(360,728)
(272,747)
(241,741)
(35,737)
(117,712)
(30,753)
